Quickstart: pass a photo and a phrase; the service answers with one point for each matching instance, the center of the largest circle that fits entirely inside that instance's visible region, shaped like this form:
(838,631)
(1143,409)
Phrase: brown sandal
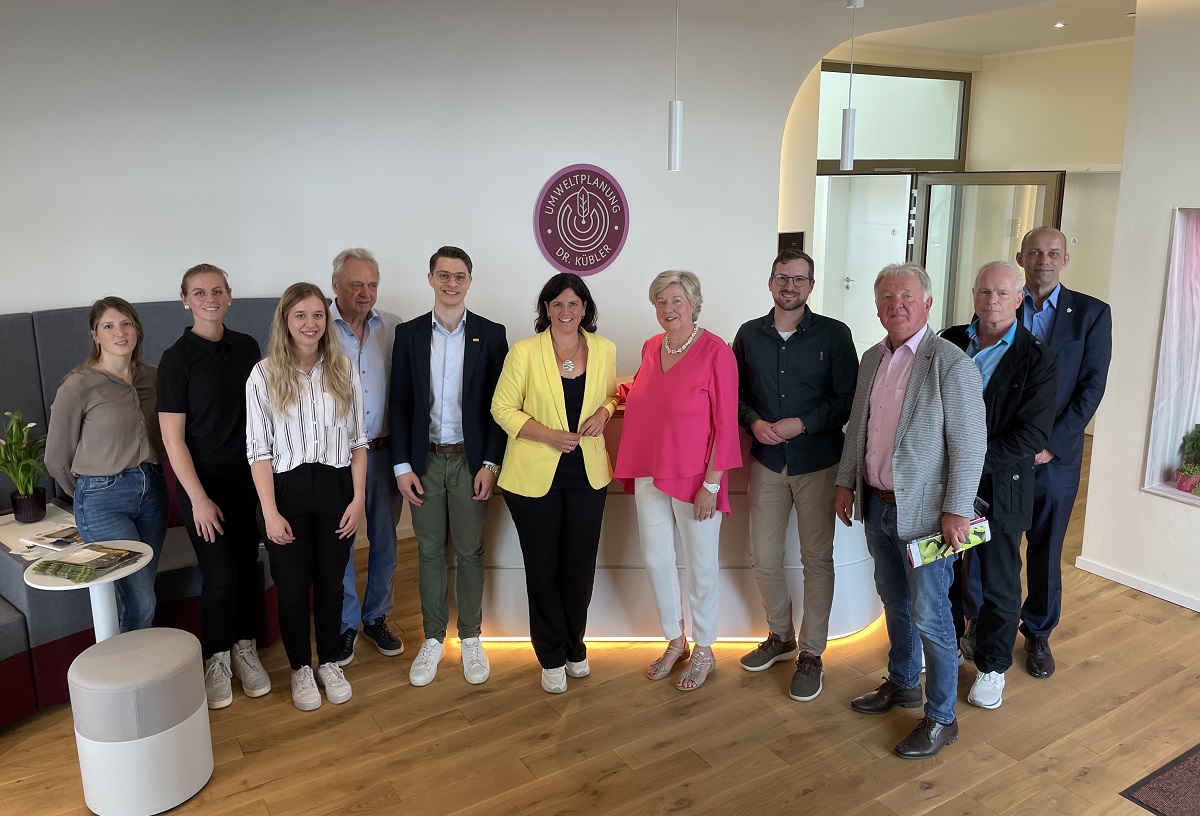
(661,668)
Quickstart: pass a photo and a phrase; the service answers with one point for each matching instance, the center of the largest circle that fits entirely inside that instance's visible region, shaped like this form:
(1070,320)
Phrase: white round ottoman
(141,722)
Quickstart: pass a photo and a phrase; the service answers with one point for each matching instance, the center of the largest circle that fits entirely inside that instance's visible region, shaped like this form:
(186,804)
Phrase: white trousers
(659,516)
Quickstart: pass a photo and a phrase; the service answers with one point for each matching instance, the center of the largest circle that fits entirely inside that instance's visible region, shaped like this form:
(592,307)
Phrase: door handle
(848,282)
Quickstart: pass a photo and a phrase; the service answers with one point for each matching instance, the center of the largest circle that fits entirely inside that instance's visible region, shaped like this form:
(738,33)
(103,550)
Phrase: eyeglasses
(796,280)
(217,293)
(446,277)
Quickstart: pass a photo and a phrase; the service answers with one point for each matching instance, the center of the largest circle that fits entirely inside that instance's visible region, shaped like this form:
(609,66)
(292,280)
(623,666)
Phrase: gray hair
(1018,277)
(354,253)
(687,280)
(903,270)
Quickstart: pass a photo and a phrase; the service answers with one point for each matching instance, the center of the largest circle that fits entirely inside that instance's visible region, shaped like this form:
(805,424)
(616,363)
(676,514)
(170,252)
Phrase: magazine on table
(87,563)
(57,539)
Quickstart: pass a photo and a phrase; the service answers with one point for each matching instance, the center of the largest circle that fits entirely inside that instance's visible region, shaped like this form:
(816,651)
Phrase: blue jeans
(382,507)
(131,506)
(916,609)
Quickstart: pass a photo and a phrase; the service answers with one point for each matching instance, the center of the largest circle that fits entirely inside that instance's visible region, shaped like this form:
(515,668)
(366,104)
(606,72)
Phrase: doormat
(1172,790)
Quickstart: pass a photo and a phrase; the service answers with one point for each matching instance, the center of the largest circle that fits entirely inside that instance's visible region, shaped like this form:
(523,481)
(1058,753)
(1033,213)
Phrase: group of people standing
(352,410)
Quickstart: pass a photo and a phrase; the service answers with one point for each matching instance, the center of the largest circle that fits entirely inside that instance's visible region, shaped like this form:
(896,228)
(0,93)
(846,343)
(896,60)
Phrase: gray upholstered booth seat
(16,667)
(141,722)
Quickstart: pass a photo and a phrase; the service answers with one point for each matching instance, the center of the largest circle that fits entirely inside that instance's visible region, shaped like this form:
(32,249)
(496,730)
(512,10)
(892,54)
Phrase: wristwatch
(712,488)
(495,469)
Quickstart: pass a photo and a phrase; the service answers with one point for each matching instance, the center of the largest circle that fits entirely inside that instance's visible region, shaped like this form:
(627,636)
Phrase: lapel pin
(474,339)
(1069,310)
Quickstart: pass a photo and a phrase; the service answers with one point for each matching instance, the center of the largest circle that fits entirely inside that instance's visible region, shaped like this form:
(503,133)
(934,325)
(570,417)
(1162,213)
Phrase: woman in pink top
(680,437)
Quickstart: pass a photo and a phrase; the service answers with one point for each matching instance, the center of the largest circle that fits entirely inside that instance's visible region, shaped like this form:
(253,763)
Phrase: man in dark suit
(1078,329)
(1019,388)
(446,450)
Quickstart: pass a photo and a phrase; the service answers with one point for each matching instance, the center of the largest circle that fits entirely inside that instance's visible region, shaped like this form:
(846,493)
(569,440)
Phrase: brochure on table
(12,531)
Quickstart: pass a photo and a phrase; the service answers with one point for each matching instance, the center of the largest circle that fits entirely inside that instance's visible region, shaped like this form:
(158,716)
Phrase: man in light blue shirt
(1077,328)
(366,334)
(1019,388)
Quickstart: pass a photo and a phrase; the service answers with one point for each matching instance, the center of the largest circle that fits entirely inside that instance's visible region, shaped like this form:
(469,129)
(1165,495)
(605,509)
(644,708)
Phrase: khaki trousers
(773,496)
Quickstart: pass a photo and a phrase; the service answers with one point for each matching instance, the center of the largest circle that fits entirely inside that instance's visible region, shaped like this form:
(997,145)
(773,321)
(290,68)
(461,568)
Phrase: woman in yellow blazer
(556,393)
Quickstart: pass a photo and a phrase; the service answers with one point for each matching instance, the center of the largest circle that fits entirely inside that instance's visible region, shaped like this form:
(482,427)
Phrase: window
(906,119)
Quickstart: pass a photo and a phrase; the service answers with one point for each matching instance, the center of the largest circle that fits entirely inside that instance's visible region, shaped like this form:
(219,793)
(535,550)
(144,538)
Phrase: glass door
(963,220)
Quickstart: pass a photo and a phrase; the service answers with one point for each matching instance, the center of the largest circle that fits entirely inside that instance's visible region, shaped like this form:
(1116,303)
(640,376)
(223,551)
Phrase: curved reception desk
(622,605)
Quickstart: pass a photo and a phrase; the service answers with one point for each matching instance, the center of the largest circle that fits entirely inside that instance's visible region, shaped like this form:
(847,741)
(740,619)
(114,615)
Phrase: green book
(89,562)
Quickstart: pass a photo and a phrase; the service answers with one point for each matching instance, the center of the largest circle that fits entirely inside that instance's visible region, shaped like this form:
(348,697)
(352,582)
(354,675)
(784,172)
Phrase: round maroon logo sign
(581,219)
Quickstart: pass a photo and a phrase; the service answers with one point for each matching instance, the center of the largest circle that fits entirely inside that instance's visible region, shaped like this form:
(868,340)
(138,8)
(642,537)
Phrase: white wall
(1139,539)
(141,137)
(1060,109)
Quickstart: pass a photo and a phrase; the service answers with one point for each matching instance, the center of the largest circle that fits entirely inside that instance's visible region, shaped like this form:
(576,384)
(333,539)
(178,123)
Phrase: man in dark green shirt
(796,373)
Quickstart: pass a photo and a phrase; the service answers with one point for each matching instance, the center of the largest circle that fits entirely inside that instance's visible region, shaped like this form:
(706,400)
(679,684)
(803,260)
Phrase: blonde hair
(686,280)
(283,385)
(201,269)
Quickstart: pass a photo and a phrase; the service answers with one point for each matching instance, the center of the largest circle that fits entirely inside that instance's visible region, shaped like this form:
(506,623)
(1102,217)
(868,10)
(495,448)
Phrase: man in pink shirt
(914,452)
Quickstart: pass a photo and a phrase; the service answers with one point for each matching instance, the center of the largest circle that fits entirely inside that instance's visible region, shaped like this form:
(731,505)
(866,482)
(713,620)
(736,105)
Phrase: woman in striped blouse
(307,446)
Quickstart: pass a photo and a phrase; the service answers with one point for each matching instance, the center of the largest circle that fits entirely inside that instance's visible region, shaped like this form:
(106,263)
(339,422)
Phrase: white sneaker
(988,691)
(305,694)
(247,668)
(475,663)
(424,668)
(554,681)
(217,687)
(580,669)
(337,688)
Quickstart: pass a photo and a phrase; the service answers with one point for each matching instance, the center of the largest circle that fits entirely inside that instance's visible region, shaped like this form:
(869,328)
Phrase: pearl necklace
(684,347)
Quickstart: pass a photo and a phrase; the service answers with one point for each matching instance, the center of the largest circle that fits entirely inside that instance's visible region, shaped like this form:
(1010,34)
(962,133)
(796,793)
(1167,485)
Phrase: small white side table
(101,590)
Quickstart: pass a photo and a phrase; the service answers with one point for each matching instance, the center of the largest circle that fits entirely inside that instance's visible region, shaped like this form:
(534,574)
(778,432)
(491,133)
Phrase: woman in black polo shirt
(202,412)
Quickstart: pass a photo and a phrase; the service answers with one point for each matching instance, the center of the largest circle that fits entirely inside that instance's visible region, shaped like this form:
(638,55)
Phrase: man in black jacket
(1019,389)
(796,376)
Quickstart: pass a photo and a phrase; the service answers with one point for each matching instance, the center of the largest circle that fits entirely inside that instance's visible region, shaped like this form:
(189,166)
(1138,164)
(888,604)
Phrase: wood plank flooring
(1125,699)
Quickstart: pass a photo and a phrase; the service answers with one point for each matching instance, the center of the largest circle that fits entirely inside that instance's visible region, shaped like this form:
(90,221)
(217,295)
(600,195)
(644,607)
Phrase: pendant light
(847,162)
(675,113)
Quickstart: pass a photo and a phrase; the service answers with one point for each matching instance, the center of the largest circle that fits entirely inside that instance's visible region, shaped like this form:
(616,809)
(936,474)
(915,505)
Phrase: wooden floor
(1125,699)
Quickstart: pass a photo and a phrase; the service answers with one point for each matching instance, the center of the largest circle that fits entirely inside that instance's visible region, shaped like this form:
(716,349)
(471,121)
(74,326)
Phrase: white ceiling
(1003,32)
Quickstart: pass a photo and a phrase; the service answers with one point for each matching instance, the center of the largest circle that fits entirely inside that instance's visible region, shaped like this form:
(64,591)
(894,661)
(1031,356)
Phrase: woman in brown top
(104,446)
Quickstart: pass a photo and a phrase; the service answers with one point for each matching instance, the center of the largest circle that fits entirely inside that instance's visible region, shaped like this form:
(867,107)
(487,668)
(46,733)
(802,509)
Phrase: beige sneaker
(247,668)
(217,688)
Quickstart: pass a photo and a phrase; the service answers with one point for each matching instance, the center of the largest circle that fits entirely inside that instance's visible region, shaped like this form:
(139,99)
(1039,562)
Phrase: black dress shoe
(1038,659)
(927,739)
(887,697)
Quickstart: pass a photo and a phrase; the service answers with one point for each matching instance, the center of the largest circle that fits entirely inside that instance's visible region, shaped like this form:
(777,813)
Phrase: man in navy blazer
(1078,329)
(1019,387)
(446,450)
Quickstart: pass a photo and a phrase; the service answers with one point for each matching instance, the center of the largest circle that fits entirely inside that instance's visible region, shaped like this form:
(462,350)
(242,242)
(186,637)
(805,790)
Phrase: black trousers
(312,498)
(560,534)
(229,565)
(998,563)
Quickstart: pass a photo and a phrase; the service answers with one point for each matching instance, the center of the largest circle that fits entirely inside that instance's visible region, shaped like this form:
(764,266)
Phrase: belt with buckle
(377,443)
(459,448)
(885,496)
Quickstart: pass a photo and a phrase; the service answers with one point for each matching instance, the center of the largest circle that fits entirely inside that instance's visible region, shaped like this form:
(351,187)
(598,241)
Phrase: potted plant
(1187,477)
(21,460)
